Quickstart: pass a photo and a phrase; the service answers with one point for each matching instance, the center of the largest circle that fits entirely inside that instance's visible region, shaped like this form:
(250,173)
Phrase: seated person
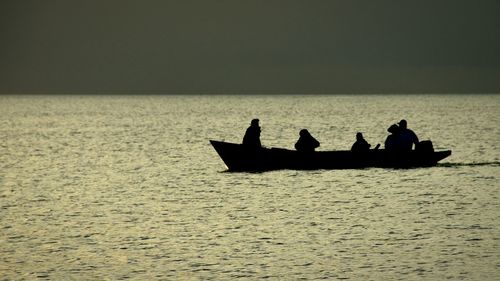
(306,142)
(392,140)
(406,137)
(361,144)
(252,135)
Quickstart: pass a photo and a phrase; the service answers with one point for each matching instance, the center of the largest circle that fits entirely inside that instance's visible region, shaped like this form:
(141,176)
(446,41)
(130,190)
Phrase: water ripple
(114,188)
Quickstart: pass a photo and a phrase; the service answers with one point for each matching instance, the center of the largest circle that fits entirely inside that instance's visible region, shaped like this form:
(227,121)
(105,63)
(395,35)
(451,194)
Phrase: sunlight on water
(128,187)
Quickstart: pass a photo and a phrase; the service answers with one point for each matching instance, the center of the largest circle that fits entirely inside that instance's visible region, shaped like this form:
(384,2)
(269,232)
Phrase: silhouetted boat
(238,157)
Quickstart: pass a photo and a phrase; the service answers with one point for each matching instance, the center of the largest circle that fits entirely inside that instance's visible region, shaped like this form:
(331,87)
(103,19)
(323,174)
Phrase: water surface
(128,187)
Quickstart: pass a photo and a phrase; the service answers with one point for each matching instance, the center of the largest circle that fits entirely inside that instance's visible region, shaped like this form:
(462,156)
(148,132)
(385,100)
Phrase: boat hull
(238,157)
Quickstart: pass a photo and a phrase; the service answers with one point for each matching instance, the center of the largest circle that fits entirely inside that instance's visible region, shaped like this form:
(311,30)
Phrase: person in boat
(392,140)
(306,142)
(361,145)
(406,137)
(252,135)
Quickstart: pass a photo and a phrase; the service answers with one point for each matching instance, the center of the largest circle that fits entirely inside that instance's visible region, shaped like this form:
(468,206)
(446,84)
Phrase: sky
(249,46)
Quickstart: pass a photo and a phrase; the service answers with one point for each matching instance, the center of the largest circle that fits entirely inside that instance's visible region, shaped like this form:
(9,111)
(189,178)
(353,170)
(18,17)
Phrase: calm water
(128,187)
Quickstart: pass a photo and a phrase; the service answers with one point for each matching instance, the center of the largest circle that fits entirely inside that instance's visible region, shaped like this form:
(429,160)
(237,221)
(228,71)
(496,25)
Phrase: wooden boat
(238,157)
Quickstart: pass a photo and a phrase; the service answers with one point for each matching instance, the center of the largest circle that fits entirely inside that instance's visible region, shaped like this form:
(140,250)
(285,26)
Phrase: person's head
(255,122)
(402,124)
(359,136)
(303,133)
(393,129)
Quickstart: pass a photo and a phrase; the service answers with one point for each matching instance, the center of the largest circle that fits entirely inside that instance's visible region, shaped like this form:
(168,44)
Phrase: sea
(128,187)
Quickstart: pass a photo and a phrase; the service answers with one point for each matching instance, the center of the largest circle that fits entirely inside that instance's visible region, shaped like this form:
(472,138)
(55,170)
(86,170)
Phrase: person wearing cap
(306,142)
(361,145)
(391,142)
(252,135)
(406,137)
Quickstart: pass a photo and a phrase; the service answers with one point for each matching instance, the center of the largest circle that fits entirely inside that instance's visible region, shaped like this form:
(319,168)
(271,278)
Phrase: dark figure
(392,140)
(306,142)
(252,135)
(361,145)
(406,137)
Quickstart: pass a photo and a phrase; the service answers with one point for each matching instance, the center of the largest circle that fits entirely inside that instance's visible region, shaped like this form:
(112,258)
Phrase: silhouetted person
(392,140)
(252,135)
(306,142)
(361,145)
(406,137)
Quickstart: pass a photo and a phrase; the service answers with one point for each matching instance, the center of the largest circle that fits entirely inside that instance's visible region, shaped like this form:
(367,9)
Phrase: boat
(241,158)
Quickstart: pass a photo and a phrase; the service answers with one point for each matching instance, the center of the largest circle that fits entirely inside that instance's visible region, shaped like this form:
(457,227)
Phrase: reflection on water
(126,187)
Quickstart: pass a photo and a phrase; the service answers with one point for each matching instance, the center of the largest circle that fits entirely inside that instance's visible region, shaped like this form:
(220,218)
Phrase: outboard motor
(424,146)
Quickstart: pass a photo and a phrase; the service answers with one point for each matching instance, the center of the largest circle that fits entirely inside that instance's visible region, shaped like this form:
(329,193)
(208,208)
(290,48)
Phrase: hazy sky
(249,46)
